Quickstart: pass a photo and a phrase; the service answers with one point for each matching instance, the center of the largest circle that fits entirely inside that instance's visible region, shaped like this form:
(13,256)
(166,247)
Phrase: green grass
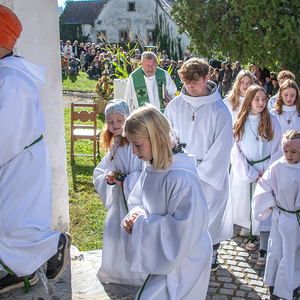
(80,82)
(87,212)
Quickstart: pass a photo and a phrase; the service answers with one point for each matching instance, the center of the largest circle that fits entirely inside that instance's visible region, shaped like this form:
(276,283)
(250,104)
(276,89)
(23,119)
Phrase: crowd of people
(97,60)
(224,74)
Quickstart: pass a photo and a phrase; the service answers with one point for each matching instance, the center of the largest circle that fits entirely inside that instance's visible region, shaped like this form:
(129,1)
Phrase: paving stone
(252,276)
(229,286)
(231,252)
(240,258)
(224,243)
(253,295)
(244,254)
(219,297)
(227,256)
(223,272)
(228,247)
(238,298)
(233,243)
(249,270)
(240,294)
(225,279)
(245,287)
(226,291)
(236,269)
(239,274)
(241,281)
(213,283)
(244,265)
(261,290)
(211,290)
(239,249)
(256,283)
(231,262)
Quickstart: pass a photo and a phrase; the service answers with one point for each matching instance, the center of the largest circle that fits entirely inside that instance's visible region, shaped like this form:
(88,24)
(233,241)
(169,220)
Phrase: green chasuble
(141,89)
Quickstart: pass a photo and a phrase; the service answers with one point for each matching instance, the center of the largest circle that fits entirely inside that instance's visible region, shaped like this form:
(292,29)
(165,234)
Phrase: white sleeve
(242,170)
(130,96)
(171,87)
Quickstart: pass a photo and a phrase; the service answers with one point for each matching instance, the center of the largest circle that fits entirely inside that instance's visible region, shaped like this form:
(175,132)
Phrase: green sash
(296,212)
(251,163)
(141,89)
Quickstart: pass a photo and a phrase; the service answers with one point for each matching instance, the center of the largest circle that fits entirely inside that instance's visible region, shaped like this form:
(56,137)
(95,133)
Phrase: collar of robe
(283,161)
(212,96)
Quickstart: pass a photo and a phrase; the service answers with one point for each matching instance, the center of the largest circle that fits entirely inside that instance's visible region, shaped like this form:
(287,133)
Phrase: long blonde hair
(234,94)
(148,122)
(265,125)
(279,102)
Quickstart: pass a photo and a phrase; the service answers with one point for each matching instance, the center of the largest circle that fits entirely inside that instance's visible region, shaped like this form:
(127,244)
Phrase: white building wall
(115,17)
(39,44)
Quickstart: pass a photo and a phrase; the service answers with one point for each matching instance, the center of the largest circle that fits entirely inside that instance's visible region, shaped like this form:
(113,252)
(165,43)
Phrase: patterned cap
(117,106)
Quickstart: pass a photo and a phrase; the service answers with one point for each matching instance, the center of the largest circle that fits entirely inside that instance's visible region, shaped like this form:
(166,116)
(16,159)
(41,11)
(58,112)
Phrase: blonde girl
(278,194)
(168,222)
(257,137)
(287,106)
(236,96)
(114,179)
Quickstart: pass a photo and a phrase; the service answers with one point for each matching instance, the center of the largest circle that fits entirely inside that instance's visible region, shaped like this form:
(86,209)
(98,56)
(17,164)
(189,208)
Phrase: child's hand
(110,177)
(259,176)
(129,223)
(167,100)
(115,180)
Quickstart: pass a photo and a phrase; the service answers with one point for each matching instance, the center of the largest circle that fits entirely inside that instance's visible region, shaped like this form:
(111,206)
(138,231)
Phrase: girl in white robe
(119,159)
(278,194)
(236,96)
(234,102)
(167,227)
(287,106)
(257,137)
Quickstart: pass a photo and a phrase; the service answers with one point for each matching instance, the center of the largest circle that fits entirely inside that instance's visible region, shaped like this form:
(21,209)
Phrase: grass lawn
(87,212)
(80,82)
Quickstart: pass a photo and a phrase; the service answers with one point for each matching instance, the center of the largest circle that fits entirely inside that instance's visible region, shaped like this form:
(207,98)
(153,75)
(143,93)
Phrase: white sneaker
(245,232)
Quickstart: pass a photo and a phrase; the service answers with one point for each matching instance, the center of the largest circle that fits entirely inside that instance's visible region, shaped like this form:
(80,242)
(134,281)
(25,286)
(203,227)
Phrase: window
(131,6)
(150,34)
(123,36)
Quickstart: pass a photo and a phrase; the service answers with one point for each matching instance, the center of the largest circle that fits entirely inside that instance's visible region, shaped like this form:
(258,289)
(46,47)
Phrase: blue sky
(61,3)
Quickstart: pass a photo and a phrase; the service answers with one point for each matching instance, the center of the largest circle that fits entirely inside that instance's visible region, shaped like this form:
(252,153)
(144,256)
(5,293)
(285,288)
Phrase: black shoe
(215,262)
(10,282)
(57,263)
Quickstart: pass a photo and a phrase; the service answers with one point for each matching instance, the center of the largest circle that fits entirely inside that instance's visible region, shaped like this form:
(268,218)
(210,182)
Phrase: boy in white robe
(25,170)
(278,193)
(200,119)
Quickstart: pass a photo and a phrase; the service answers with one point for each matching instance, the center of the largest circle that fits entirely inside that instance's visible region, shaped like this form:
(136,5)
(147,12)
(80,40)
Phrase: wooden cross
(142,93)
(289,121)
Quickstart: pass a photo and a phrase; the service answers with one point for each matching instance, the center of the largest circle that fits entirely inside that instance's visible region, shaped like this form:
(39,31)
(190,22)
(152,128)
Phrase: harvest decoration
(104,88)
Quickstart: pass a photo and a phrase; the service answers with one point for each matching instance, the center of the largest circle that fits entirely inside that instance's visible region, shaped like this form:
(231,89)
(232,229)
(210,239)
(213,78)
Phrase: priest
(149,84)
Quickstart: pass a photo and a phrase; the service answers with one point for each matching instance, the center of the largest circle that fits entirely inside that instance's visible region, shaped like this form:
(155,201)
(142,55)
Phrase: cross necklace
(193,112)
(287,116)
(256,135)
(112,157)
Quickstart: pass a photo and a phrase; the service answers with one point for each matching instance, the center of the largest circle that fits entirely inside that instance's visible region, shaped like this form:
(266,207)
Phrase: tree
(248,30)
